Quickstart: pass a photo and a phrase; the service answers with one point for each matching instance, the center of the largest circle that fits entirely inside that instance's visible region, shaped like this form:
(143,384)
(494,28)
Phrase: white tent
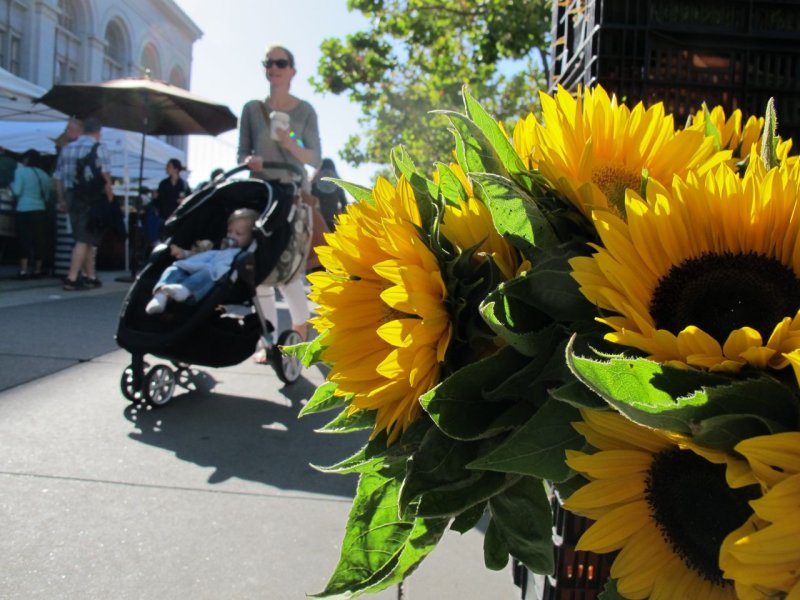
(16,100)
(124,147)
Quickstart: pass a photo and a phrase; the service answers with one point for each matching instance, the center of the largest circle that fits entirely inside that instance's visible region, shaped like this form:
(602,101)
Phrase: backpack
(89,180)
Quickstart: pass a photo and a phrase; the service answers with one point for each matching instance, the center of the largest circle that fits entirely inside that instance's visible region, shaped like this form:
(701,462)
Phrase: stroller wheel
(126,385)
(286,367)
(159,384)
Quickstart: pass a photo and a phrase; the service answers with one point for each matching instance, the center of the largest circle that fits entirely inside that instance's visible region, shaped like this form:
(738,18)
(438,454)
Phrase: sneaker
(92,282)
(176,291)
(73,286)
(157,305)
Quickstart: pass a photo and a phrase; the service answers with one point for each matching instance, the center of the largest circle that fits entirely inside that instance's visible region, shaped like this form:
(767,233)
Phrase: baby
(194,275)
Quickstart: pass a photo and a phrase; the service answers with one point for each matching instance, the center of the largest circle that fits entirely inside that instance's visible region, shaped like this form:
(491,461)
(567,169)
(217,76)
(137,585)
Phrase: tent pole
(139,213)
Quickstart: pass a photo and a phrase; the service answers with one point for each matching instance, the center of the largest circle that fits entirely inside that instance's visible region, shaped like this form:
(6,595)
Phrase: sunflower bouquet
(598,311)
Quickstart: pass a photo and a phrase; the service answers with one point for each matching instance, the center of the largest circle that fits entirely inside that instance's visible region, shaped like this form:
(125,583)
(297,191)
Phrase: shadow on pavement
(248,438)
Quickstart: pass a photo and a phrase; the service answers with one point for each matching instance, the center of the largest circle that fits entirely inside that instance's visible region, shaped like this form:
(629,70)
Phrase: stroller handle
(285,166)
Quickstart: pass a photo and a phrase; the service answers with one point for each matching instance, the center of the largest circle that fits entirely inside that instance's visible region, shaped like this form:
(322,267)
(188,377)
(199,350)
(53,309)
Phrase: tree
(416,58)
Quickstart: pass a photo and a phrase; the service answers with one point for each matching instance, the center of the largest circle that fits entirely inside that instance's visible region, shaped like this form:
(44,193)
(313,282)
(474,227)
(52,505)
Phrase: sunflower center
(722,292)
(613,180)
(694,507)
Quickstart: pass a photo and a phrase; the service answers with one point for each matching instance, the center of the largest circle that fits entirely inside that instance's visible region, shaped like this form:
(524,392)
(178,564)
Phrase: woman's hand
(285,138)
(255,163)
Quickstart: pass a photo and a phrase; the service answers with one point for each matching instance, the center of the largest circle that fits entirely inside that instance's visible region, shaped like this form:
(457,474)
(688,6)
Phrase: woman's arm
(246,142)
(18,185)
(310,153)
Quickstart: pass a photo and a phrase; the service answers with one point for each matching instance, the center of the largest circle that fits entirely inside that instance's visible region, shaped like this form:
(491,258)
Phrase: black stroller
(206,333)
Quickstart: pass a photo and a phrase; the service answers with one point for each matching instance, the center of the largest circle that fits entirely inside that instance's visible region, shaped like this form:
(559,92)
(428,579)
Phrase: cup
(277,120)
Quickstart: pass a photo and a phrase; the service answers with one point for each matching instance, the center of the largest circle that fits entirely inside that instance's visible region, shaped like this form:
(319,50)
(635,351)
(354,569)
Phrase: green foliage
(379,548)
(769,139)
(416,56)
(537,448)
(528,539)
(716,410)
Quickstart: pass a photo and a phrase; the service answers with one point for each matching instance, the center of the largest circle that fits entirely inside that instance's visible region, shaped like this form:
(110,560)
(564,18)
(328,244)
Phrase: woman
(171,191)
(298,144)
(32,188)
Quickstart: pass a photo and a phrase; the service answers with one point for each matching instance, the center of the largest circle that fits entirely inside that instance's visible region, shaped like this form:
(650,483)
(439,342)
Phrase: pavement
(209,497)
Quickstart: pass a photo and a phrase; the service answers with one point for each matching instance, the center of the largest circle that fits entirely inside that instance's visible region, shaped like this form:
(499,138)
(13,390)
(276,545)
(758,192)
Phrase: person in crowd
(192,276)
(171,191)
(32,187)
(332,199)
(283,129)
(71,132)
(78,206)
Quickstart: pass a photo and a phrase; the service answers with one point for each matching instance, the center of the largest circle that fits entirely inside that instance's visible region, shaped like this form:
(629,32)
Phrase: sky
(226,68)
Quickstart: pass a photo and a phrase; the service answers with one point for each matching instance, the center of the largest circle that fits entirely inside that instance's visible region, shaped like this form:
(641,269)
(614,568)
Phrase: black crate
(579,575)
(735,53)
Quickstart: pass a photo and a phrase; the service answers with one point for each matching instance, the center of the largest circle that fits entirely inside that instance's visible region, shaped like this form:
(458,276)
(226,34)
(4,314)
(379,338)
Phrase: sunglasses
(281,63)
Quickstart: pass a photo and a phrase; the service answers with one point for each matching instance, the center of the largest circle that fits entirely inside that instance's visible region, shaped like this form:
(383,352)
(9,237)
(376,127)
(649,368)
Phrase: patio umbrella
(142,105)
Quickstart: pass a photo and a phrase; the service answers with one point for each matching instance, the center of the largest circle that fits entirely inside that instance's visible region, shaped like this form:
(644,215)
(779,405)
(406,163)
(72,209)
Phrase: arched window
(115,60)
(68,43)
(177,77)
(150,61)
(12,22)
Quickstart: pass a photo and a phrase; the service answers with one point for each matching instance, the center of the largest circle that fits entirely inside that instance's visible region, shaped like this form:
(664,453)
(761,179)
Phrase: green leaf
(439,482)
(450,186)
(725,431)
(499,315)
(469,518)
(610,591)
(495,549)
(528,539)
(553,292)
(344,423)
(379,548)
(516,215)
(459,406)
(538,447)
(359,192)
(769,137)
(307,352)
(494,135)
(324,398)
(686,401)
(578,395)
(474,152)
(710,129)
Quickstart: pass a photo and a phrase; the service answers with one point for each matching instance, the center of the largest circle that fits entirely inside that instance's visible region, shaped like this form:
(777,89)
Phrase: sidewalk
(15,291)
(211,497)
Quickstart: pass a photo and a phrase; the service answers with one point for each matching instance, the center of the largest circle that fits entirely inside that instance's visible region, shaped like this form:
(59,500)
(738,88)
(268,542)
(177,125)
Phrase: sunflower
(763,556)
(663,502)
(469,224)
(592,149)
(708,276)
(381,308)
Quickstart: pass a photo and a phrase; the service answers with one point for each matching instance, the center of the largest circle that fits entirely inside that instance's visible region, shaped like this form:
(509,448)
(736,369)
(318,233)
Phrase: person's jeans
(198,283)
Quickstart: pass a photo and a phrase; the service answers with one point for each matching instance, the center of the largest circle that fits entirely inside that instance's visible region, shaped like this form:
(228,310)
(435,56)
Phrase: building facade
(64,41)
